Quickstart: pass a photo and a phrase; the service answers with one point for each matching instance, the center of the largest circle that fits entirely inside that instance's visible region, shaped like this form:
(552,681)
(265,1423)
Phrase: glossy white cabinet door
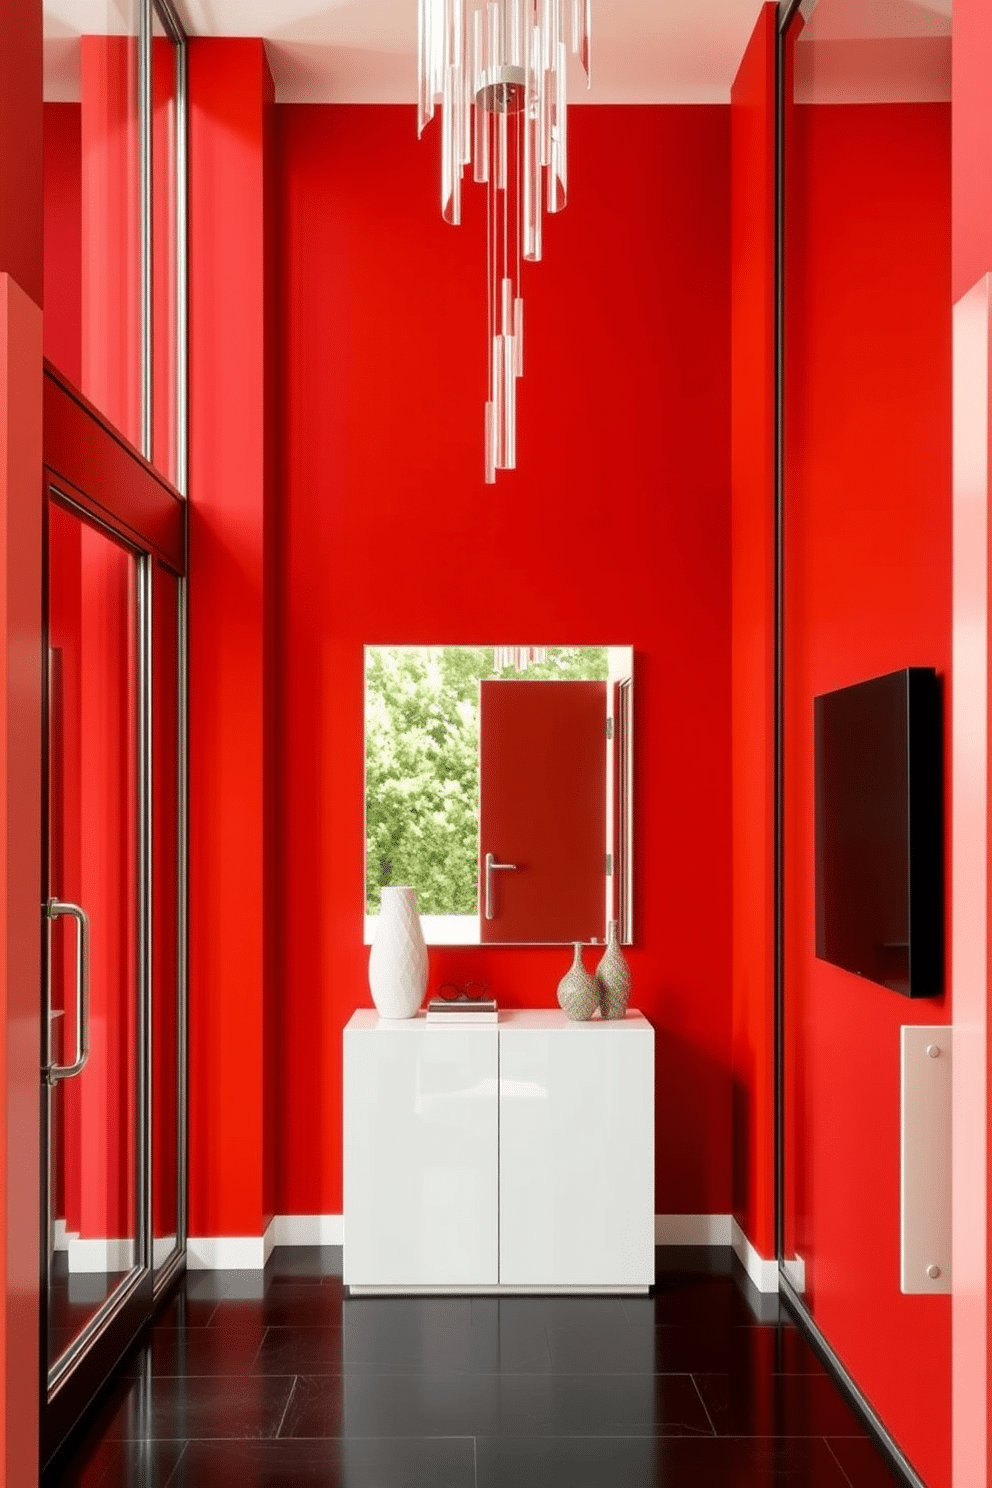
(421,1161)
(577,1154)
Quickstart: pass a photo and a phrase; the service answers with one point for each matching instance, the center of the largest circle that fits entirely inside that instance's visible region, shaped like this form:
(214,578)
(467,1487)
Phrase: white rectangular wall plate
(925,1229)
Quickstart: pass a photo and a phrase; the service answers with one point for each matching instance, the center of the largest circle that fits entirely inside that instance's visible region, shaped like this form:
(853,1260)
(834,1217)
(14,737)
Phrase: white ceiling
(365,51)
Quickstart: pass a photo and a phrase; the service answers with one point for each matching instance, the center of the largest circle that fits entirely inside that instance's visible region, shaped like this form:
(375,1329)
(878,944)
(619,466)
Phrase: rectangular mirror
(498,783)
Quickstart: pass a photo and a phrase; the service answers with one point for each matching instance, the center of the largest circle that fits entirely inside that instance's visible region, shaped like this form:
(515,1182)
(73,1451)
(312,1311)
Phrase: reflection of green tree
(422,766)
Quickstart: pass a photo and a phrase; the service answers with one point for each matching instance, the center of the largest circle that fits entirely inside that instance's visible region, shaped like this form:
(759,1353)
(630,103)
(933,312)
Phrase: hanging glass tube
(509,375)
(499,403)
(480,143)
(425,93)
(558,159)
(532,154)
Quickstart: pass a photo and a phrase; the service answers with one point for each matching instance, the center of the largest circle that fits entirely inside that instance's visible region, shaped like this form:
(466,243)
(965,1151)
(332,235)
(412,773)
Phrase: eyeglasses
(471,992)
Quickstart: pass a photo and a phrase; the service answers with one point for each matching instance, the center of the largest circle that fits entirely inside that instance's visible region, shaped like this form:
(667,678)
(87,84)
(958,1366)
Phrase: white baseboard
(795,1271)
(763,1273)
(250,1252)
(89,1256)
(162,1248)
(309,1229)
(225,1253)
(62,1237)
(692,1229)
(229,1252)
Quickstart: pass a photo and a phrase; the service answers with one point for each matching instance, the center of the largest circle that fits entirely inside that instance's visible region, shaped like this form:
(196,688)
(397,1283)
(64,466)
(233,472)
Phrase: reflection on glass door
(164,452)
(166,1039)
(95,1080)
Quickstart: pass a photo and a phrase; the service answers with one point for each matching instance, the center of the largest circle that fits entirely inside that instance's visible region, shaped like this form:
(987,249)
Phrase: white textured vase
(398,962)
(613,977)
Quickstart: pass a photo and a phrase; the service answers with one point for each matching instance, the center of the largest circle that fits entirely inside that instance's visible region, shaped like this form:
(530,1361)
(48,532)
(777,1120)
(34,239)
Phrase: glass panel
(867,528)
(93,863)
(62,195)
(164,229)
(92,227)
(110,219)
(165,947)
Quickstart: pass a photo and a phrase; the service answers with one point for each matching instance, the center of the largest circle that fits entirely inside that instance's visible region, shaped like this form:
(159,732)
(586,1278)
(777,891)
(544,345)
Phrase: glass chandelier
(499,70)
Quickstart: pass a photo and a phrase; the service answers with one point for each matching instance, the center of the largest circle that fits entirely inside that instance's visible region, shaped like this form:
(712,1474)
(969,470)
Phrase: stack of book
(462,1010)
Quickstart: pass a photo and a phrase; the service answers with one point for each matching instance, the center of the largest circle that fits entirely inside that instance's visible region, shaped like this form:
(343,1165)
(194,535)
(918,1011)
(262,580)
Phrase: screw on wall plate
(933,1050)
(933,1272)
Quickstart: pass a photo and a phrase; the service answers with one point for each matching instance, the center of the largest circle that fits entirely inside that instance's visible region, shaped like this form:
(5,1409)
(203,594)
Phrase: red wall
(21,290)
(21,221)
(230,91)
(868,590)
(63,239)
(752,436)
(20,866)
(616,527)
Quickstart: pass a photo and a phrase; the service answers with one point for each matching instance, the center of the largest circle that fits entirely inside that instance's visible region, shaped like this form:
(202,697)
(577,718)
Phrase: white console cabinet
(512,1156)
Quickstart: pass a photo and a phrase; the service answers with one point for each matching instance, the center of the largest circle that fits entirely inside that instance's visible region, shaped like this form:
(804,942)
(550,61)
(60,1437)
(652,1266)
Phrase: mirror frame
(451,930)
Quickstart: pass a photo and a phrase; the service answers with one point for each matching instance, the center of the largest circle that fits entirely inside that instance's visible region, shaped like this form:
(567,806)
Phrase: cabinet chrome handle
(55,908)
(493,867)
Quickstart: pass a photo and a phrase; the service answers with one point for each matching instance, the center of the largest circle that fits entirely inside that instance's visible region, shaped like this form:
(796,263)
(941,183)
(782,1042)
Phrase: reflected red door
(542,786)
(93,1053)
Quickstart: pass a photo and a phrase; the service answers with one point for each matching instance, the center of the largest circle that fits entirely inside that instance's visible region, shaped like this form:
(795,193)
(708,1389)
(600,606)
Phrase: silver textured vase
(577,994)
(398,961)
(613,977)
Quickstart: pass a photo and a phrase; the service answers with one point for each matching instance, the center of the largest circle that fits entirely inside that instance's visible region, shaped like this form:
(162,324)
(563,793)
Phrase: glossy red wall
(752,439)
(22,218)
(614,528)
(63,239)
(21,290)
(230,93)
(231,1071)
(867,591)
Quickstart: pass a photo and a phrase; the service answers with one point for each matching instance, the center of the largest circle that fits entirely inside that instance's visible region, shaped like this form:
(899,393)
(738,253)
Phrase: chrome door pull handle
(53,910)
(493,867)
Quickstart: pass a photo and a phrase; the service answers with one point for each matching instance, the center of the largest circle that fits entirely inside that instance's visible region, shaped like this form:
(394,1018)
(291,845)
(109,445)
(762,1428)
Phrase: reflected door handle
(493,867)
(54,909)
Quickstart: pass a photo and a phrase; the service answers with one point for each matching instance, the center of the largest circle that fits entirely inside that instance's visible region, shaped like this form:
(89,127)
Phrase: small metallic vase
(613,978)
(577,994)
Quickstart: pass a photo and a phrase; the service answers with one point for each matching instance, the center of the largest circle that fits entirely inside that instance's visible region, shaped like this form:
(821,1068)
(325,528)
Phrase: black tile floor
(277,1379)
(73,1299)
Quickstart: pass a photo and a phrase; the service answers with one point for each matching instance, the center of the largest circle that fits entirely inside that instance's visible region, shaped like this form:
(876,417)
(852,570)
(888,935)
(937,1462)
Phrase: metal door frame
(68,1389)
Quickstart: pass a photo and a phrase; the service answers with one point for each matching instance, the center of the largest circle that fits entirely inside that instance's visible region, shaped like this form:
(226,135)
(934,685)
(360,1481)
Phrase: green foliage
(422,766)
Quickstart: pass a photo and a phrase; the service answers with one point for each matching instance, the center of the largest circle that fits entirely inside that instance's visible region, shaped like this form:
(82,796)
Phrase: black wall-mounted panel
(878,761)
